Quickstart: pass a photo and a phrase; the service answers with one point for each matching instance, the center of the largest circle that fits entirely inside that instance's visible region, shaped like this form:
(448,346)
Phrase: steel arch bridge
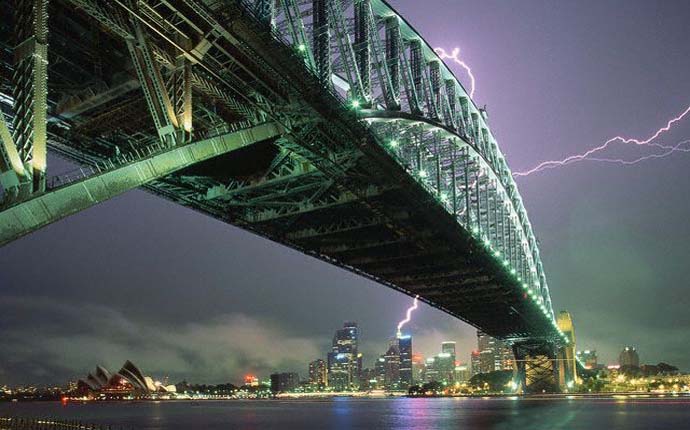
(330,126)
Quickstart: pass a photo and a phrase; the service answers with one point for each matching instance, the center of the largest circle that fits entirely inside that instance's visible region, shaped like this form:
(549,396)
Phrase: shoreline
(327,396)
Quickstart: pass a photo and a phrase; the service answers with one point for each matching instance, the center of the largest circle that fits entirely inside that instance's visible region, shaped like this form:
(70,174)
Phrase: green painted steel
(59,203)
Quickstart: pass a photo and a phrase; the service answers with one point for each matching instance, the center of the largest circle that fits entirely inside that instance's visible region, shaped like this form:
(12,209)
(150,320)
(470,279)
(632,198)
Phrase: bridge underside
(390,233)
(326,184)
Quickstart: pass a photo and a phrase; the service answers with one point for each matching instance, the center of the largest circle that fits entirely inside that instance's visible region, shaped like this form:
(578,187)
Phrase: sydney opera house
(128,382)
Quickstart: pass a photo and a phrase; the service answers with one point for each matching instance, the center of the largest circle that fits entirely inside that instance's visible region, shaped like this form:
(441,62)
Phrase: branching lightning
(455,56)
(408,315)
(587,155)
(669,150)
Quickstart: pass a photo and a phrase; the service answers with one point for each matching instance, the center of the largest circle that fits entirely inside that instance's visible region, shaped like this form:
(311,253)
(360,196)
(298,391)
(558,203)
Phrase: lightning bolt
(669,151)
(408,315)
(626,140)
(455,56)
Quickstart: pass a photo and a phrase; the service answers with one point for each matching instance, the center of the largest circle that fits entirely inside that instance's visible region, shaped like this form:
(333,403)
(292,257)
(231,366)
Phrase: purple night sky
(184,295)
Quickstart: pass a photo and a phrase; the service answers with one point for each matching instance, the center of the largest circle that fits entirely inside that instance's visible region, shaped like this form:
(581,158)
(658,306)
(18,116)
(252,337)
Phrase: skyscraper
(493,354)
(284,382)
(462,373)
(405,348)
(418,368)
(344,361)
(475,363)
(392,366)
(629,357)
(448,347)
(431,371)
(318,374)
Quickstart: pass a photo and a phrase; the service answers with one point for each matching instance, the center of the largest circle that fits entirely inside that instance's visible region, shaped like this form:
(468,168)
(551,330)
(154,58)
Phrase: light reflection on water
(372,414)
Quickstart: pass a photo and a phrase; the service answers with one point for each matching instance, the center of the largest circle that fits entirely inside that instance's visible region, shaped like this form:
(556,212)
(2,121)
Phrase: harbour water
(394,413)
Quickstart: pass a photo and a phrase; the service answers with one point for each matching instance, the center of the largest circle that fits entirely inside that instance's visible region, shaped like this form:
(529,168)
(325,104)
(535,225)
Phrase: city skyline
(613,238)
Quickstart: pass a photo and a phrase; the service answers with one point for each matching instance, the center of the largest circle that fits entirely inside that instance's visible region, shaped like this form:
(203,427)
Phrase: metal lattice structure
(350,140)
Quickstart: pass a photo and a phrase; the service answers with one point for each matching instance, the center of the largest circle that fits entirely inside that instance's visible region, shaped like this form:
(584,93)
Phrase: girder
(378,160)
(49,207)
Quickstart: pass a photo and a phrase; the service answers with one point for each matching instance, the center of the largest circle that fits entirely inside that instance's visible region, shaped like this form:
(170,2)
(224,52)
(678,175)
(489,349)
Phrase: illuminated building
(629,357)
(392,365)
(493,354)
(418,368)
(251,380)
(380,371)
(406,372)
(129,381)
(284,382)
(445,366)
(448,347)
(344,361)
(462,373)
(475,362)
(318,374)
(431,373)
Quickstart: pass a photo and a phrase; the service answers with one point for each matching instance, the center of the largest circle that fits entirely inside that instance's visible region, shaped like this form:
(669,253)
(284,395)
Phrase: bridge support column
(30,87)
(536,370)
(362,47)
(322,40)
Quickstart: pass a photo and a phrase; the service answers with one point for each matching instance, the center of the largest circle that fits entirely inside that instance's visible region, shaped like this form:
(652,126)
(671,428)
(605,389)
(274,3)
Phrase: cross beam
(59,203)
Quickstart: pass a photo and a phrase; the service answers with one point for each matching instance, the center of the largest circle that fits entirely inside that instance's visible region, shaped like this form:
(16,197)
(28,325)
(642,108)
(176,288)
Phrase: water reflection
(398,413)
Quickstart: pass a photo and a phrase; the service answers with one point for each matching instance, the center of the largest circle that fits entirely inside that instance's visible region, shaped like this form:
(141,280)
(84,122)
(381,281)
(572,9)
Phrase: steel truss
(377,135)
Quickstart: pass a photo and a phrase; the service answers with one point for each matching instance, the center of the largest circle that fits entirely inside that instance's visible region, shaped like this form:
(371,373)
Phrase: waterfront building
(629,357)
(462,374)
(418,368)
(344,360)
(493,354)
(448,347)
(368,380)
(380,371)
(431,373)
(406,372)
(318,374)
(128,382)
(284,382)
(251,380)
(445,365)
(475,362)
(392,366)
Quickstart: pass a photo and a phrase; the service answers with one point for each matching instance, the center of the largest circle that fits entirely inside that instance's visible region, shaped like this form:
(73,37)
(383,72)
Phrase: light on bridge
(355,104)
(393,143)
(423,173)
(301,47)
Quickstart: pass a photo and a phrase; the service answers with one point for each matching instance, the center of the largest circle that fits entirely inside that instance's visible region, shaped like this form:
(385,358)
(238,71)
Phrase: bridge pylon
(536,369)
